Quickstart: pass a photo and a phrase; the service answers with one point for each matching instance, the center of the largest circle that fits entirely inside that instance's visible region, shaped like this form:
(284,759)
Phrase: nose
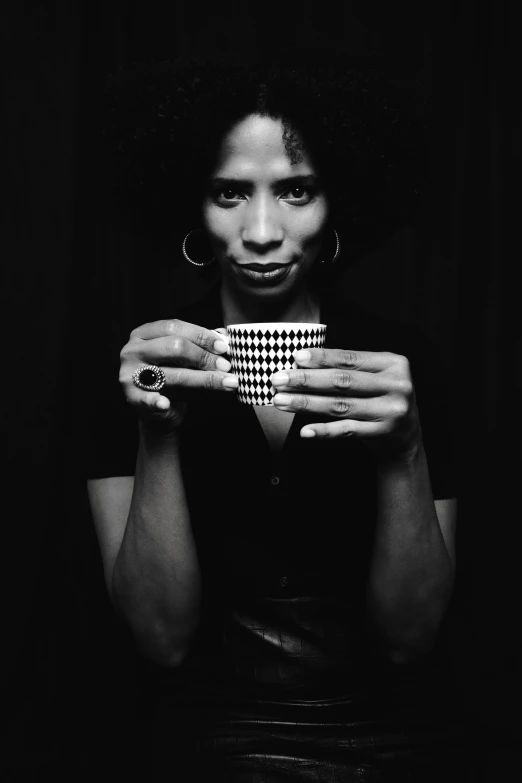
(262,229)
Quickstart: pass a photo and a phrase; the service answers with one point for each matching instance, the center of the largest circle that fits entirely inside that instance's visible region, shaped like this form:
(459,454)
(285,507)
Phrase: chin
(267,293)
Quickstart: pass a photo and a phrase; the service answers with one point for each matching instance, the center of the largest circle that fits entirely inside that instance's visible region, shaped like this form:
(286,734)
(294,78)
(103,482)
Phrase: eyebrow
(298,179)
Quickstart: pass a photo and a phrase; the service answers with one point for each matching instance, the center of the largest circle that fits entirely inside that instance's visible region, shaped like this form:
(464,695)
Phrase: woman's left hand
(368,394)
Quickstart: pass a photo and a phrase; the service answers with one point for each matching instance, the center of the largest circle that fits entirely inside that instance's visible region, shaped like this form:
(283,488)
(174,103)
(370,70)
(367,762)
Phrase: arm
(143,525)
(370,396)
(412,569)
(150,560)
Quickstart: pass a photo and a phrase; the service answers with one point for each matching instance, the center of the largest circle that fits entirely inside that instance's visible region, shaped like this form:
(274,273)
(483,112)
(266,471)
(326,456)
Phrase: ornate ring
(149,377)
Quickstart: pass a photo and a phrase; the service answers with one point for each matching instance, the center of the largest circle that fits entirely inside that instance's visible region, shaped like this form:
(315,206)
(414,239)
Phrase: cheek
(322,211)
(219,224)
(312,225)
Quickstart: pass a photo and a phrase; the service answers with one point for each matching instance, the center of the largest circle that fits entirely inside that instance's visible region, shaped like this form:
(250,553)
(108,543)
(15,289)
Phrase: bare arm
(412,570)
(370,395)
(143,525)
(152,574)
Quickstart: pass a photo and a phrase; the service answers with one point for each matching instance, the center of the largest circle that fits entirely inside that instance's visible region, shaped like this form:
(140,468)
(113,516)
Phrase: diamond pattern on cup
(257,355)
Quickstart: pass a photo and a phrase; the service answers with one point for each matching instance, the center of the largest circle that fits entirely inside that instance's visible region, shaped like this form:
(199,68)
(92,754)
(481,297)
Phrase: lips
(265,274)
(262,267)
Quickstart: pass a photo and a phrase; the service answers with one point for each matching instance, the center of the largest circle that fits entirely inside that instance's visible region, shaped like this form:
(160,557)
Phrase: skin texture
(252,216)
(162,123)
(254,213)
(261,208)
(369,395)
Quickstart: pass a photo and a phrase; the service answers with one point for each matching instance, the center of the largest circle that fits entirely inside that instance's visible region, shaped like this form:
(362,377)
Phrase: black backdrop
(67,670)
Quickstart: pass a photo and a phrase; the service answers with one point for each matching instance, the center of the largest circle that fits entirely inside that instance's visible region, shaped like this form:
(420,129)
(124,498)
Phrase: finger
(199,335)
(361,408)
(347,428)
(179,351)
(176,378)
(344,382)
(154,402)
(367,361)
(156,410)
(221,332)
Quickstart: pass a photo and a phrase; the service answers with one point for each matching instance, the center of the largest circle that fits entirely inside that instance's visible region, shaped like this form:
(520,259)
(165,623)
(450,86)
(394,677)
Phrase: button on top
(274,481)
(283,581)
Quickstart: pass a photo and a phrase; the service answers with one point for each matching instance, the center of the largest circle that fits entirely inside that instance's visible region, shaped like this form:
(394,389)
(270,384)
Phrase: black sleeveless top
(282,683)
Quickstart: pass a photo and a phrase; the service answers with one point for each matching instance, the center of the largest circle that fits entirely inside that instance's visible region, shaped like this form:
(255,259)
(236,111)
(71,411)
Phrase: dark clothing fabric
(282,683)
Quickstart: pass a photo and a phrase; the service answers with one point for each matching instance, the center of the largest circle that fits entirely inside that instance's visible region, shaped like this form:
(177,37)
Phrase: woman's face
(264,215)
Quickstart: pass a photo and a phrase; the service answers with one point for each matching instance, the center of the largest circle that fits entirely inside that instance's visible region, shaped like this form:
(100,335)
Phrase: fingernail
(231,382)
(302,356)
(223,364)
(220,346)
(162,404)
(280,378)
(307,433)
(282,399)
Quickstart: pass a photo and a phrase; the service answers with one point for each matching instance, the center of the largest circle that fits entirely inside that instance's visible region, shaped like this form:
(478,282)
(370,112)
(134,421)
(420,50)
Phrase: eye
(227,194)
(300,193)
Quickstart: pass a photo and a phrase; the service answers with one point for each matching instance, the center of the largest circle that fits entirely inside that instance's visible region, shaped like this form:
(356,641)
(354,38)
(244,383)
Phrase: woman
(284,571)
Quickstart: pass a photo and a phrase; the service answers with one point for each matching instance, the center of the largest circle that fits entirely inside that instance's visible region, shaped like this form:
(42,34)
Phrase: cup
(258,350)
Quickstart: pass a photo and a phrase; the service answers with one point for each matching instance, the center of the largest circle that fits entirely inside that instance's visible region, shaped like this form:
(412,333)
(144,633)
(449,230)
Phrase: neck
(302,307)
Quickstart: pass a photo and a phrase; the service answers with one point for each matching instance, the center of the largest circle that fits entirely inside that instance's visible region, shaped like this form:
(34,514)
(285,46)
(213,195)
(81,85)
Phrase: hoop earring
(337,249)
(184,250)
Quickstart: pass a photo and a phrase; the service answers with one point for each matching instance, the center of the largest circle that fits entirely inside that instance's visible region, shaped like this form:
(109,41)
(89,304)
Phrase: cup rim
(276,325)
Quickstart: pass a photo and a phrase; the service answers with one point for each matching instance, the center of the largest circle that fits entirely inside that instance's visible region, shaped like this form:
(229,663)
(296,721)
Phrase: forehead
(255,146)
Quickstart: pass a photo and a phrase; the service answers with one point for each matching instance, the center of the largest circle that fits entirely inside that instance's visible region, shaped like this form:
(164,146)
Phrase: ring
(149,378)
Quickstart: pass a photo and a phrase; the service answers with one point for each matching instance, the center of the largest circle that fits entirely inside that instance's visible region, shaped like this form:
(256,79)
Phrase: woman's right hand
(190,357)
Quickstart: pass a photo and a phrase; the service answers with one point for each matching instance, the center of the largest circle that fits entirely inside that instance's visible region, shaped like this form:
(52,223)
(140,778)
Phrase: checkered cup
(258,350)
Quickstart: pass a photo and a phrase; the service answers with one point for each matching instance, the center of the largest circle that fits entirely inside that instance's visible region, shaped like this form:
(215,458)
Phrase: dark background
(67,669)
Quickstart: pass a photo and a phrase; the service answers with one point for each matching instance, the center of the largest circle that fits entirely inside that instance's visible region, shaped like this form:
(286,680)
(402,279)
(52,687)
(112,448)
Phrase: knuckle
(202,340)
(126,351)
(175,347)
(405,387)
(343,380)
(321,356)
(399,408)
(207,361)
(172,326)
(300,402)
(340,407)
(343,430)
(299,378)
(401,362)
(348,359)
(211,381)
